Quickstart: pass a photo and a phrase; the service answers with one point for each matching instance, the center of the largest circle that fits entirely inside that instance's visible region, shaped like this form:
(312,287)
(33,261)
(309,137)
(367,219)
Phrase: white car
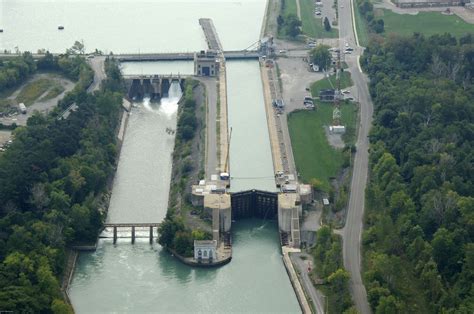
(345,91)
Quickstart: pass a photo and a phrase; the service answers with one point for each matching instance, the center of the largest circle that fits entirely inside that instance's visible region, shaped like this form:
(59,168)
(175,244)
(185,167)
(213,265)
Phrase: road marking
(353,24)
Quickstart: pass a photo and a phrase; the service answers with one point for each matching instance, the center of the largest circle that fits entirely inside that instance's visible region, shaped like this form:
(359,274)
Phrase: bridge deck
(129,225)
(211,34)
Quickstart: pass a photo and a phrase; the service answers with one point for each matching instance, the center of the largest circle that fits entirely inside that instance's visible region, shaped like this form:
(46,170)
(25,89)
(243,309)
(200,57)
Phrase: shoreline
(74,250)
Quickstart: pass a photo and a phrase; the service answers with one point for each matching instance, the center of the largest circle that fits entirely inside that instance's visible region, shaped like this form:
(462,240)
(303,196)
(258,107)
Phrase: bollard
(133,234)
(151,234)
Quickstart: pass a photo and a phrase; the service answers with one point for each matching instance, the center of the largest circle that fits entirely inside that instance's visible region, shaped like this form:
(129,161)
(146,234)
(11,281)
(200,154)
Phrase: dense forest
(52,179)
(174,234)
(418,249)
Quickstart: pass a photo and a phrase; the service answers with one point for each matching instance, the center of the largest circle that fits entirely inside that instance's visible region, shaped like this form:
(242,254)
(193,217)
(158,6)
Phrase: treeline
(327,255)
(173,233)
(366,9)
(16,70)
(289,25)
(419,254)
(51,182)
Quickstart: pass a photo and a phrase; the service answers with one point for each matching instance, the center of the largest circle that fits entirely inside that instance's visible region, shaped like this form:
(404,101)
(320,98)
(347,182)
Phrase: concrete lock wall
(284,219)
(225,219)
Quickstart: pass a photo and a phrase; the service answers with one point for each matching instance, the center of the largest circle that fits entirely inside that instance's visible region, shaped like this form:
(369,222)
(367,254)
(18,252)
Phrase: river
(142,277)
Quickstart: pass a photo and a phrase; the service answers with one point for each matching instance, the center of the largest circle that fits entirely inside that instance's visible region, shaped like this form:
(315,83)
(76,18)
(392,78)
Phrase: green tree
(292,25)
(183,243)
(327,25)
(60,307)
(321,57)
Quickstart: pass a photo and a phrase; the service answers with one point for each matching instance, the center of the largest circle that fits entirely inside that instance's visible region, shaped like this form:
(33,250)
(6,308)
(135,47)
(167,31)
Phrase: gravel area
(41,106)
(4,137)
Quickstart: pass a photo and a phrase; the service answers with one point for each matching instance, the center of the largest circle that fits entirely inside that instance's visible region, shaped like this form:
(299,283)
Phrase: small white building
(337,129)
(205,250)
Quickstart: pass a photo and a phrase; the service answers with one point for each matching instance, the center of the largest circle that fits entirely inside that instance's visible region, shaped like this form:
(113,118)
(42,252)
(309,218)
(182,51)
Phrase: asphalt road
(302,266)
(211,145)
(352,232)
(97,64)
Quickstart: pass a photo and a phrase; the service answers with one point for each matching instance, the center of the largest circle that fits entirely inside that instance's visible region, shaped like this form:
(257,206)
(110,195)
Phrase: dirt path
(298,9)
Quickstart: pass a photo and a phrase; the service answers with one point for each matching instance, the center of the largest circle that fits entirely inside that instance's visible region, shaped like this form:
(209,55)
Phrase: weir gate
(153,86)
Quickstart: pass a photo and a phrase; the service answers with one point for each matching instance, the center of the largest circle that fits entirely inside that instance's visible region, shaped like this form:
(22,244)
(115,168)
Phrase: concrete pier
(211,35)
(223,120)
(115,235)
(214,43)
(132,227)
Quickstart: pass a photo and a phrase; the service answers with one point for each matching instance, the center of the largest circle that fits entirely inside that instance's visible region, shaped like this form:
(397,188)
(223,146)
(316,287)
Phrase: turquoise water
(143,278)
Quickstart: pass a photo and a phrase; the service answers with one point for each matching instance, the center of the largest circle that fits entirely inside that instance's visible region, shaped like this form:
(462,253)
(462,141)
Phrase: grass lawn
(31,92)
(427,23)
(330,82)
(361,27)
(289,7)
(314,157)
(313,26)
(55,91)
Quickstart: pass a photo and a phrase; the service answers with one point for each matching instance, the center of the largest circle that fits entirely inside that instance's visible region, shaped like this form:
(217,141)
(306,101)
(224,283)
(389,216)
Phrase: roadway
(352,232)
(97,65)
(302,266)
(211,119)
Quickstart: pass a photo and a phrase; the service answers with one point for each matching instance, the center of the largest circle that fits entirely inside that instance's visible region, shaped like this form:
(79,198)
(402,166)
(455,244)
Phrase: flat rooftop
(214,200)
(287,200)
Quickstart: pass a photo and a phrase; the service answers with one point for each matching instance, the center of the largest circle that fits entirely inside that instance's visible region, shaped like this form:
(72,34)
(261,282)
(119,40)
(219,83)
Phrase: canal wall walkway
(300,295)
(272,128)
(223,136)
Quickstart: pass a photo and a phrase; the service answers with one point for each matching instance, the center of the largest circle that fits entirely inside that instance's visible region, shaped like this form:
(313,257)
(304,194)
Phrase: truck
(22,108)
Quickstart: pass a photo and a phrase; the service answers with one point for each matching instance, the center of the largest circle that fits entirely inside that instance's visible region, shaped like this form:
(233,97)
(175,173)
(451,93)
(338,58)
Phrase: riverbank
(73,252)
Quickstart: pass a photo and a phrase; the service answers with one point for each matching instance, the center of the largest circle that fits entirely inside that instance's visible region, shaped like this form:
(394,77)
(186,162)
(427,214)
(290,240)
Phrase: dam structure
(261,188)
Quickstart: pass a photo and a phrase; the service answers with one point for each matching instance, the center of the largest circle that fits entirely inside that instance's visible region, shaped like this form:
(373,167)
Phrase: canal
(142,277)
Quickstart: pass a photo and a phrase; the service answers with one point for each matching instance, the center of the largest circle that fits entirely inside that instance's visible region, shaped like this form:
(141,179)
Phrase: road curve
(97,65)
(352,233)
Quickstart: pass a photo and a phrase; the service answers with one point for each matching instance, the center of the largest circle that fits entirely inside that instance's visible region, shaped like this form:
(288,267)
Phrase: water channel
(142,277)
